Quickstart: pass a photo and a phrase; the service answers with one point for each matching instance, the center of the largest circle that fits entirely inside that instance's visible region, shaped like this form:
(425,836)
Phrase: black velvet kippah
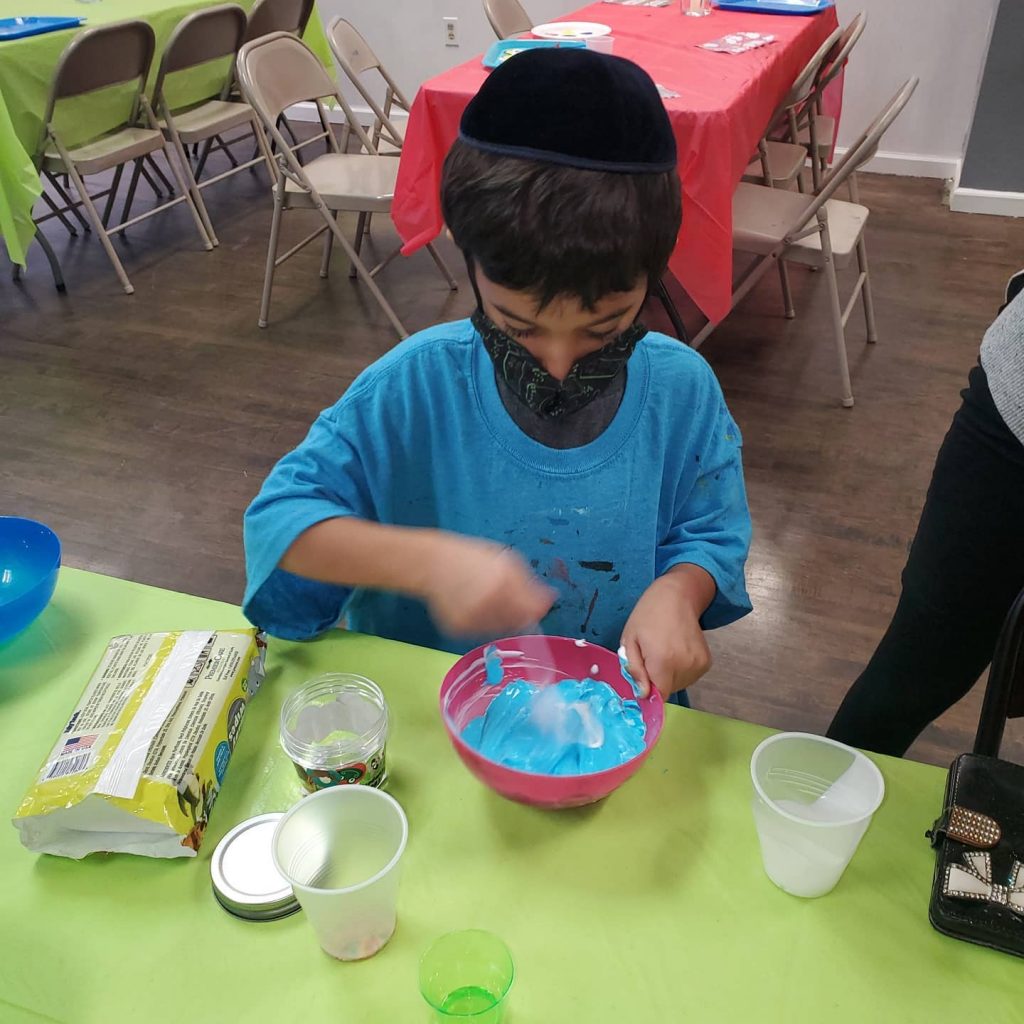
(573,107)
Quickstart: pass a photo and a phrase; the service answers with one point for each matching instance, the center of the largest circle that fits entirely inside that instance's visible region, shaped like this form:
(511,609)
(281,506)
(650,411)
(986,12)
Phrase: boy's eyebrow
(596,323)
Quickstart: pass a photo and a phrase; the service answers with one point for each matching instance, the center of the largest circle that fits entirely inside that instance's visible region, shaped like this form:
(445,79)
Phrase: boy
(549,461)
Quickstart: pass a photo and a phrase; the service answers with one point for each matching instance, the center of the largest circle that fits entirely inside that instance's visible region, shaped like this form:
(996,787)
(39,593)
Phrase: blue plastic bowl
(29,563)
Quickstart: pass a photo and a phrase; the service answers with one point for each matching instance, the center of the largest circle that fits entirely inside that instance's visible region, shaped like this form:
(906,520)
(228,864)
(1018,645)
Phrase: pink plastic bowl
(466,694)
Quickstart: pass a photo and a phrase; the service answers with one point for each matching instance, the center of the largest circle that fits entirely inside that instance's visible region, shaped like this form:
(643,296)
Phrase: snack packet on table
(738,42)
(144,753)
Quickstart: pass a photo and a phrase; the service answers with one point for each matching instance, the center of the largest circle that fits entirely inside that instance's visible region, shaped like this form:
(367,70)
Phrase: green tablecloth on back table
(26,73)
(649,908)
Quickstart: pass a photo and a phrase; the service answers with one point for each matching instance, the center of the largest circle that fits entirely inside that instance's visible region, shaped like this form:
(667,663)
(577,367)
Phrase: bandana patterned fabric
(536,388)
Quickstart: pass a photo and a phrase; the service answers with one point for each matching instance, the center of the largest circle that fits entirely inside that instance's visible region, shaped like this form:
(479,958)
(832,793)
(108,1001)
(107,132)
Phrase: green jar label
(359,773)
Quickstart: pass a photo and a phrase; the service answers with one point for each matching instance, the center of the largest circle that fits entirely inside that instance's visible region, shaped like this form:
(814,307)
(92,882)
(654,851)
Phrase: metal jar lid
(245,880)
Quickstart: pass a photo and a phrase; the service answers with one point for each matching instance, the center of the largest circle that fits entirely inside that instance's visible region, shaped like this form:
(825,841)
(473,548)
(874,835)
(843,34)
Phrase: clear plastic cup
(341,850)
(600,44)
(813,801)
(696,8)
(466,976)
(335,730)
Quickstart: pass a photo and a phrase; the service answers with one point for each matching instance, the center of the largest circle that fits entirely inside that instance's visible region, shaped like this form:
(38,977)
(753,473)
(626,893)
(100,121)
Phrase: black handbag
(978,888)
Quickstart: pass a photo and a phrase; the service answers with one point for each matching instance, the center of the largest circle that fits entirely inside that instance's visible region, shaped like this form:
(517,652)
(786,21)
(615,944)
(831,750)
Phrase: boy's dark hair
(552,230)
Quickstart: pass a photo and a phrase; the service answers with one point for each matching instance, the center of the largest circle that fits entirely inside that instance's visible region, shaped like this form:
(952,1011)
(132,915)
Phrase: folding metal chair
(209,34)
(780,162)
(817,231)
(507,18)
(275,72)
(98,58)
(266,16)
(356,59)
(821,149)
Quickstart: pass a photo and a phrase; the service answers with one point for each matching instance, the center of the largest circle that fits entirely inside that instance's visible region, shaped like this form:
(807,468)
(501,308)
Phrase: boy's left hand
(665,646)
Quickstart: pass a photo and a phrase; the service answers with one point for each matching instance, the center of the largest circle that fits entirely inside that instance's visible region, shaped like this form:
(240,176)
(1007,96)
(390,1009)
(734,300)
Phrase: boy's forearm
(695,586)
(358,553)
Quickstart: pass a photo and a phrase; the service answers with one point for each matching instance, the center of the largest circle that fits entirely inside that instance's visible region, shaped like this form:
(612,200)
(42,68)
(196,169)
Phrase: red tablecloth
(724,104)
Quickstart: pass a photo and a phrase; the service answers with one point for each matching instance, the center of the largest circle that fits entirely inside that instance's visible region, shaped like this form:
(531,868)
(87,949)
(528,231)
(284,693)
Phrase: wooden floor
(140,427)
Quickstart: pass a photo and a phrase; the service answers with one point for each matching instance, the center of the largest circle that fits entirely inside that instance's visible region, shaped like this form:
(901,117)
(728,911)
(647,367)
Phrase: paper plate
(571,30)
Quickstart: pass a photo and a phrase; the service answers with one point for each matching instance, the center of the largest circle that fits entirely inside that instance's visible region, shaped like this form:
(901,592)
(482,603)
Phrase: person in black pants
(966,563)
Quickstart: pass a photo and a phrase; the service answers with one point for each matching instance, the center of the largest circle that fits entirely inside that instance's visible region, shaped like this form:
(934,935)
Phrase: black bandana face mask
(536,388)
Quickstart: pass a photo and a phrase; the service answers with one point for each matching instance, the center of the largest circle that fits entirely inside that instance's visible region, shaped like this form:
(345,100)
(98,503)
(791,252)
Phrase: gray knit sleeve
(1002,356)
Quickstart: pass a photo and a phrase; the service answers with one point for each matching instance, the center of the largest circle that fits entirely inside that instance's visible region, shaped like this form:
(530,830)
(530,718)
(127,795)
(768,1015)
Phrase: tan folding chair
(821,150)
(266,16)
(209,34)
(275,72)
(507,18)
(817,231)
(780,162)
(278,16)
(98,58)
(356,58)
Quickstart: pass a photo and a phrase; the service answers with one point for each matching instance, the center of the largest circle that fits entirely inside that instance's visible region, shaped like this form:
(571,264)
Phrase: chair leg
(191,185)
(97,224)
(204,154)
(209,240)
(673,314)
(360,230)
(288,128)
(108,208)
(869,302)
(325,262)
(442,266)
(159,173)
(363,272)
(59,214)
(839,332)
(58,276)
(68,201)
(851,184)
(787,294)
(132,185)
(268,277)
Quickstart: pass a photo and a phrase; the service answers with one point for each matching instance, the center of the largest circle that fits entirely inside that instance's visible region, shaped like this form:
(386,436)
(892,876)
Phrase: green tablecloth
(26,73)
(650,907)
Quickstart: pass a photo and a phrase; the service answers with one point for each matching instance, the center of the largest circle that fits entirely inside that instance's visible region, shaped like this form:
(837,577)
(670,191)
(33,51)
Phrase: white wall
(944,42)
(408,35)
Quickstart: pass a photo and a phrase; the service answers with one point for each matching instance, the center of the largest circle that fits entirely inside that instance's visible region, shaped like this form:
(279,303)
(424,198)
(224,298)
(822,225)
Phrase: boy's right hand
(474,587)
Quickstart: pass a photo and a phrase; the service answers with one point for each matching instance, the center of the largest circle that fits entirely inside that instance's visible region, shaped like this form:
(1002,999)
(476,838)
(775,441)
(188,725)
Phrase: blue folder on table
(775,6)
(18,28)
(505,48)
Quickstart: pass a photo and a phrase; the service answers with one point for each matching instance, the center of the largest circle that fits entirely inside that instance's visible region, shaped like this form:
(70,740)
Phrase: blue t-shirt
(421,439)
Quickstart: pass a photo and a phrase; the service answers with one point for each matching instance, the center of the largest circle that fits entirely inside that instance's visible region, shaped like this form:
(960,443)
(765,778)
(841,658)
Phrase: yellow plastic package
(143,755)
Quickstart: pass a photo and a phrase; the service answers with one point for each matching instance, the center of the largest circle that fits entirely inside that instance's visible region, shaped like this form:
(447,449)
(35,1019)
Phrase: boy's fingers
(636,666)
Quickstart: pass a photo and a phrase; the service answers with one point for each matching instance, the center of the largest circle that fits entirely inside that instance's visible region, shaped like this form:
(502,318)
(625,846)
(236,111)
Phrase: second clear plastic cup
(466,976)
(813,802)
(341,851)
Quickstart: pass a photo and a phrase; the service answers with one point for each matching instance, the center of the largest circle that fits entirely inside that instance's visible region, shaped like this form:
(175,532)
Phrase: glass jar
(335,730)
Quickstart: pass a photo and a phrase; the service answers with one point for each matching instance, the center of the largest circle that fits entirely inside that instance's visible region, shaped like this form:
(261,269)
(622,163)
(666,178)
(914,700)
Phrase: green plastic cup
(466,976)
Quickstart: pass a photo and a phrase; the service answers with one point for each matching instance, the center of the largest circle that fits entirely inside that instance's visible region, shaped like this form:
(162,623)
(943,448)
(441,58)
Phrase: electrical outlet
(451,31)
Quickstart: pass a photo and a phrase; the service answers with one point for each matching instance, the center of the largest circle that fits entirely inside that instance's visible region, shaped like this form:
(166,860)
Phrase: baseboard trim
(985,200)
(909,165)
